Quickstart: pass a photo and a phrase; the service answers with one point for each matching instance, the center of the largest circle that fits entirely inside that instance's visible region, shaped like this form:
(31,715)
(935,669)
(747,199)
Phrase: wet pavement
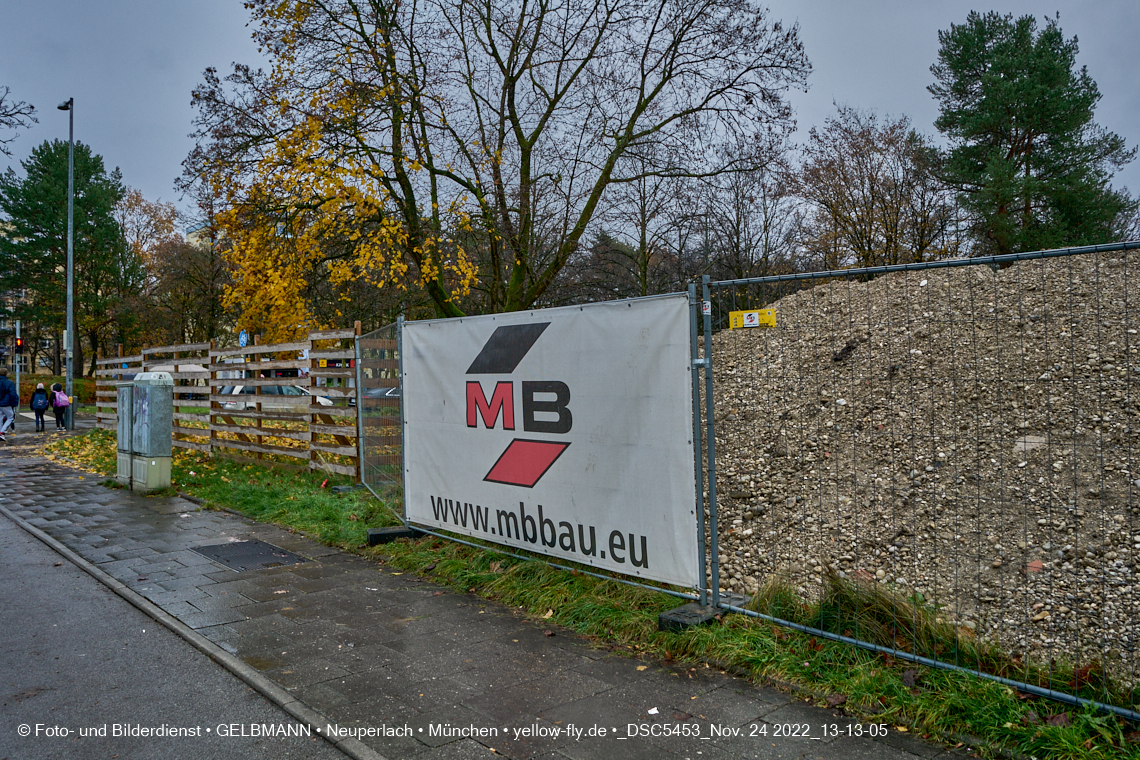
(413,669)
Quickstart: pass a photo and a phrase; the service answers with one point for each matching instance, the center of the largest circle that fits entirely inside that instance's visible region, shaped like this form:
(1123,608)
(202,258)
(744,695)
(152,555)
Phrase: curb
(354,748)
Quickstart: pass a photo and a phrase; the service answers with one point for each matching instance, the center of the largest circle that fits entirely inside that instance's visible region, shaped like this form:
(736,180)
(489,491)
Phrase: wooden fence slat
(255,415)
(340,334)
(338,353)
(295,435)
(226,443)
(192,417)
(272,364)
(334,392)
(184,444)
(187,347)
(340,469)
(267,348)
(346,430)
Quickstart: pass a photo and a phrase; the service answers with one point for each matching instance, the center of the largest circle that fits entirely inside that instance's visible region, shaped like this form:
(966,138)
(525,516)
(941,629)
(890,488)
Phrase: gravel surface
(966,434)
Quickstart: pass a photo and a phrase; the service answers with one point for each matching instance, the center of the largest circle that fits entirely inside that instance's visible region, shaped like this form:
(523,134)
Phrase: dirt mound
(966,434)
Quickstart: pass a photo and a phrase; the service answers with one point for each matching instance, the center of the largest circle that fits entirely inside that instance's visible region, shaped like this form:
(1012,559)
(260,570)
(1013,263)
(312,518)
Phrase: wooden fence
(313,431)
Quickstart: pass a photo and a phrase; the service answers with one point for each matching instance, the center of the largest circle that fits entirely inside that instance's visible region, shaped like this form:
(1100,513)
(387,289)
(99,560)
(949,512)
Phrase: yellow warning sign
(758,318)
(323,363)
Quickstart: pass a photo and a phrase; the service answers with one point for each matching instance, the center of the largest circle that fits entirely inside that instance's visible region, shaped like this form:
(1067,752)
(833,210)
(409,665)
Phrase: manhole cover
(249,555)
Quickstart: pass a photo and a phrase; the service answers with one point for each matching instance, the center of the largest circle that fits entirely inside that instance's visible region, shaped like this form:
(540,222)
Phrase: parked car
(290,397)
(378,393)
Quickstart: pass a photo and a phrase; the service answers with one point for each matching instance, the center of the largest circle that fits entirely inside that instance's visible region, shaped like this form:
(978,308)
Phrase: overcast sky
(131,64)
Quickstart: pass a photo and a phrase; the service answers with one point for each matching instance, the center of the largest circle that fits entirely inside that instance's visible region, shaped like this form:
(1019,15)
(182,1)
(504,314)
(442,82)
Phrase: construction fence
(962,434)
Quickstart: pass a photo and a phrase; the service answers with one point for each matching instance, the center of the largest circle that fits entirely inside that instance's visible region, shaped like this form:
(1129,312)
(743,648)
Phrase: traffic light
(19,345)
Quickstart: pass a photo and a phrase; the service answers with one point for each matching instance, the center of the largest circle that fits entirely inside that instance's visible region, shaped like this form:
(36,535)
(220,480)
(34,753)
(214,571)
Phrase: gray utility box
(146,431)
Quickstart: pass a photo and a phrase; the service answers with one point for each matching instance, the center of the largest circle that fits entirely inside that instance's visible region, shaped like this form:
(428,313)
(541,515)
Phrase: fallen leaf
(548,634)
(1060,719)
(438,593)
(643,667)
(1030,718)
(430,567)
(909,676)
(496,566)
(902,729)
(835,700)
(549,614)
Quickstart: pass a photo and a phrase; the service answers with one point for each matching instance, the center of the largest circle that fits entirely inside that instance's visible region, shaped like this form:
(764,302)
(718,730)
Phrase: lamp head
(65,105)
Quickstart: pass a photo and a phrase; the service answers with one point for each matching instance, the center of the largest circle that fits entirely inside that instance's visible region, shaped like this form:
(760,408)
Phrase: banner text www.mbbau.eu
(536,526)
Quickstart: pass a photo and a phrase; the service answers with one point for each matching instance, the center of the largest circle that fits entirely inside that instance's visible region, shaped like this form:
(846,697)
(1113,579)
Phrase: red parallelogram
(525,462)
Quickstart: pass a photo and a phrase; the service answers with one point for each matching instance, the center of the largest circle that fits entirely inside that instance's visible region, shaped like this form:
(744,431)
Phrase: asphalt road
(76,657)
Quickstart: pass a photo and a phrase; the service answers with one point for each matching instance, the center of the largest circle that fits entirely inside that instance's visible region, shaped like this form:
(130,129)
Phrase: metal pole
(403,422)
(698,446)
(706,307)
(359,411)
(17,355)
(70,340)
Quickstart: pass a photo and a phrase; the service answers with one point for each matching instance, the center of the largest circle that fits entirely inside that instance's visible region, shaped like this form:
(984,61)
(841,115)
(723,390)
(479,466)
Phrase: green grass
(935,703)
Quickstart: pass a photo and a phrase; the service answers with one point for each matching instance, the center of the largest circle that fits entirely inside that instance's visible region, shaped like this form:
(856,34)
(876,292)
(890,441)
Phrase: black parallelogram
(505,349)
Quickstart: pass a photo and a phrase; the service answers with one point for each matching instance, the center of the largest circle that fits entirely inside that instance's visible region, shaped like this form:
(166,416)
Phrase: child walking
(40,404)
(59,404)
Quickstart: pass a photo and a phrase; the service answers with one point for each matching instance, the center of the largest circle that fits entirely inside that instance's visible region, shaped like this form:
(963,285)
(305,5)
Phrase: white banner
(567,432)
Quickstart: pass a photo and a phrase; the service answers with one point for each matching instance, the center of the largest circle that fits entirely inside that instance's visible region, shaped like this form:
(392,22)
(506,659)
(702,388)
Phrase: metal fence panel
(961,435)
(380,408)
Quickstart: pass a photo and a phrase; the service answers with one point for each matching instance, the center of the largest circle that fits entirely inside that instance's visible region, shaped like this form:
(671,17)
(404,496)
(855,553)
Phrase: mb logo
(545,406)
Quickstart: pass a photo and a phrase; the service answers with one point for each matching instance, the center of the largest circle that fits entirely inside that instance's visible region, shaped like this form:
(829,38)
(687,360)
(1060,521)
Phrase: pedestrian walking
(40,404)
(9,402)
(59,404)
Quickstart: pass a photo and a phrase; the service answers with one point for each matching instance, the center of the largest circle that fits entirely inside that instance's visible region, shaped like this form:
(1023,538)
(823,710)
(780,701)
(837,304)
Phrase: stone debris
(969,435)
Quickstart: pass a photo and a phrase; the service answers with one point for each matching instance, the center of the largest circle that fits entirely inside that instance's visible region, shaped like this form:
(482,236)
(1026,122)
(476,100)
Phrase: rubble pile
(967,435)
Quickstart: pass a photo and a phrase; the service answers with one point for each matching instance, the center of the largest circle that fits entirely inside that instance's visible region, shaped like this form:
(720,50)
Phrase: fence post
(698,444)
(359,406)
(211,387)
(257,397)
(709,423)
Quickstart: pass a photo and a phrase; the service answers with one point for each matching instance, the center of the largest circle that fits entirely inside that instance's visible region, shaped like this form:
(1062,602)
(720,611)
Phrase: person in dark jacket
(40,404)
(59,404)
(9,402)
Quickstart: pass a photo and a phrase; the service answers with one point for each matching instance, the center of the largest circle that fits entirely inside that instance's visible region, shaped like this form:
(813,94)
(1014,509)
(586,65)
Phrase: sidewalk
(366,647)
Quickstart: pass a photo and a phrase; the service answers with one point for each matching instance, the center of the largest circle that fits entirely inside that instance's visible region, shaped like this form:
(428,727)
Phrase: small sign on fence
(566,432)
(756,318)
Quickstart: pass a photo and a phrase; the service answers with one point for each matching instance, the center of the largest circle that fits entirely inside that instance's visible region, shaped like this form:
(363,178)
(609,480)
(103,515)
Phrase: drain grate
(249,555)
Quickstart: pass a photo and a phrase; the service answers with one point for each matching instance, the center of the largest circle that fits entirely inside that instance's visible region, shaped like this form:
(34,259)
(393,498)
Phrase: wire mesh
(380,411)
(941,461)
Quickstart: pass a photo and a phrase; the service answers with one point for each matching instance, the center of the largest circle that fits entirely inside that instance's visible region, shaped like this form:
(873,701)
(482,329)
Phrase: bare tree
(516,117)
(872,194)
(14,114)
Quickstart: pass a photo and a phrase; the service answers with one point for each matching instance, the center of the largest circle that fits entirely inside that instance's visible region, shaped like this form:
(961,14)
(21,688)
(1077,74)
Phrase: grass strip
(938,704)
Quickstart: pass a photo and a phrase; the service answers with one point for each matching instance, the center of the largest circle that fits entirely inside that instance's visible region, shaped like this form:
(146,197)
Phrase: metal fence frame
(710,291)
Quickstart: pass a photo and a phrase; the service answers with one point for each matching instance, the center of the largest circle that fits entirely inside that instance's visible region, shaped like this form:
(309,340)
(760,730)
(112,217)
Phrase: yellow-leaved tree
(461,149)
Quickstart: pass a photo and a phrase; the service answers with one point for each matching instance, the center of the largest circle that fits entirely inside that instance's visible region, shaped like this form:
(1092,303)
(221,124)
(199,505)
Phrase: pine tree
(33,244)
(1029,162)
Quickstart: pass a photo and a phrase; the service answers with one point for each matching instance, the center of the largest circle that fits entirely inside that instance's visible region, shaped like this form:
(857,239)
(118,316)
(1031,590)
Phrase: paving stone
(307,673)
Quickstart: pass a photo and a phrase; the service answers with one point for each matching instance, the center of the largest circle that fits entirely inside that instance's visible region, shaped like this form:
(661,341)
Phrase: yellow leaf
(549,614)
(643,667)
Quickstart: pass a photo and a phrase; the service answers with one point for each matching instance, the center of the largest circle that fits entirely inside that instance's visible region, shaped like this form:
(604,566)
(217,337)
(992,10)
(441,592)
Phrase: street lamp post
(69,339)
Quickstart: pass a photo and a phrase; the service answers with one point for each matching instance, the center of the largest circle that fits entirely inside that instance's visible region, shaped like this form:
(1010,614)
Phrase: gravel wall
(966,434)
